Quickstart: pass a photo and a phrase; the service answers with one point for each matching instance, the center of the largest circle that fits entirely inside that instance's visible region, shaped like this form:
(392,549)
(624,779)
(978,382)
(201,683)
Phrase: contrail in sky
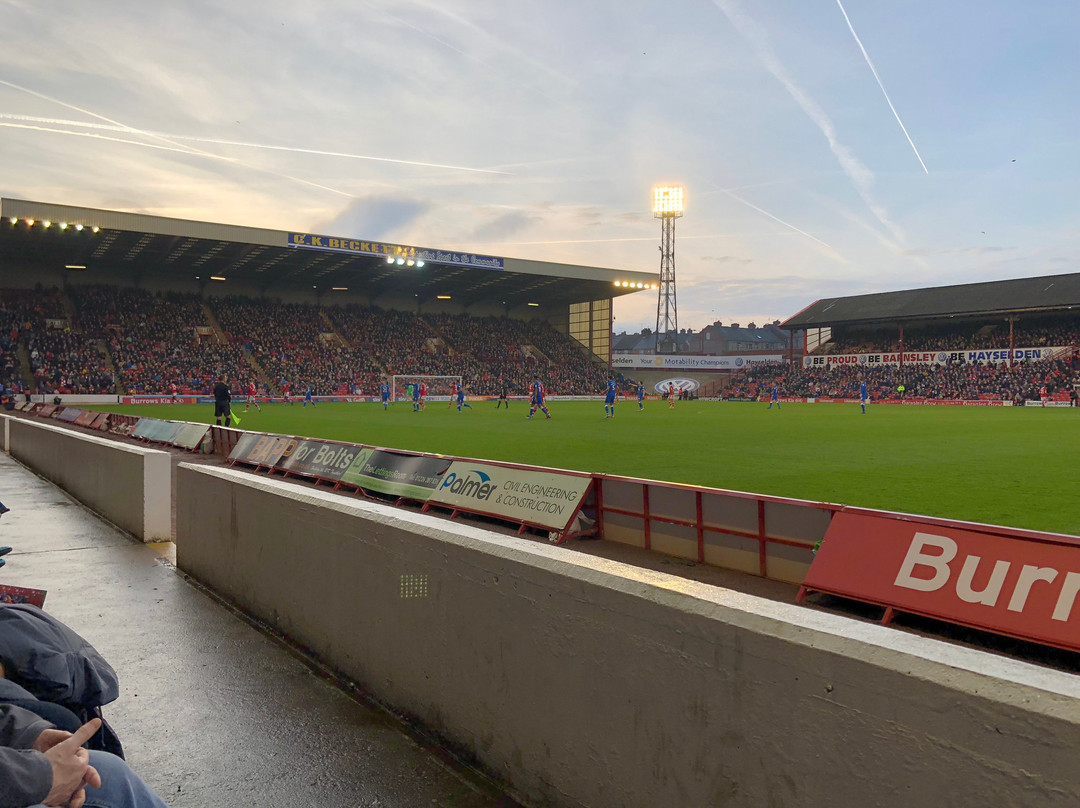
(161,147)
(829,247)
(167,137)
(172,143)
(620,240)
(96,136)
(881,85)
(861,176)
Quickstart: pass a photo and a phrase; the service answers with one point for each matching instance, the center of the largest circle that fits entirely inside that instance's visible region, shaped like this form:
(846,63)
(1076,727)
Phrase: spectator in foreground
(42,765)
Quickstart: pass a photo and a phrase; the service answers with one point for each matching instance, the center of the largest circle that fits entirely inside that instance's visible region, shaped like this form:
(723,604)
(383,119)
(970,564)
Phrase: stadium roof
(154,247)
(1047,294)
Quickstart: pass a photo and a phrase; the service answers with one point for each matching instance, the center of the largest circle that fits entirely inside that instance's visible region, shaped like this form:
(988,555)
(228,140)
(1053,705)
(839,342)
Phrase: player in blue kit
(641,395)
(461,398)
(609,399)
(416,398)
(307,397)
(775,397)
(537,400)
(863,396)
(384,393)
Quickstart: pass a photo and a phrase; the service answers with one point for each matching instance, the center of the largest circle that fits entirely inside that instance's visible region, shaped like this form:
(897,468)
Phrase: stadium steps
(260,373)
(70,309)
(103,347)
(214,323)
(25,370)
(332,328)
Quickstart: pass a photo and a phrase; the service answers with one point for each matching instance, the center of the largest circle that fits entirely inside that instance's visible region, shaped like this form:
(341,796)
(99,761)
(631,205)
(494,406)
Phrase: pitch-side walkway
(212,711)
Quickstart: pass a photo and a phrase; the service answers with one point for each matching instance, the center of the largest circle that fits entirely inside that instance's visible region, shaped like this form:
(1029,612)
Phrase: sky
(827,147)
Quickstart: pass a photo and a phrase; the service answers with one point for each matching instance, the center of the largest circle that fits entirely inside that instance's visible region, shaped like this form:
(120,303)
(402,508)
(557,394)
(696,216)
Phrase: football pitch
(1007,466)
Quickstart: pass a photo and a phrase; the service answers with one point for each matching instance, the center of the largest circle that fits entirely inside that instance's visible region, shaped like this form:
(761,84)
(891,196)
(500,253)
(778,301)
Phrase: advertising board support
(766,536)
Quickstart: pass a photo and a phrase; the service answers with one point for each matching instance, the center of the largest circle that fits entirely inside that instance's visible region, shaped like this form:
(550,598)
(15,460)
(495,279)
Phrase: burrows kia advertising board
(1014,585)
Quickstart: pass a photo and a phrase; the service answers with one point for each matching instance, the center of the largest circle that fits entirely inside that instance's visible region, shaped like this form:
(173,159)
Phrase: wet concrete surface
(213,711)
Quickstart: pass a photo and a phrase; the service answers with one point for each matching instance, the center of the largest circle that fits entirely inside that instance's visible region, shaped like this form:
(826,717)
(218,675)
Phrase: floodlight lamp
(95,229)
(78,227)
(410,262)
(63,225)
(443,297)
(419,264)
(13,220)
(401,262)
(534,304)
(216,278)
(339,289)
(668,201)
(29,222)
(46,223)
(389,259)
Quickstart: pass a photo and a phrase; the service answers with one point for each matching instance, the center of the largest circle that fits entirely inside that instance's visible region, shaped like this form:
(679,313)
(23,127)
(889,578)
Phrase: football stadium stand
(142,305)
(344,581)
(1016,340)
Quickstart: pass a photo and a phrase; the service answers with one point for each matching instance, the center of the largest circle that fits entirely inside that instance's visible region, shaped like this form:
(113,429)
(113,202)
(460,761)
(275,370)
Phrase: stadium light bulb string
(31,221)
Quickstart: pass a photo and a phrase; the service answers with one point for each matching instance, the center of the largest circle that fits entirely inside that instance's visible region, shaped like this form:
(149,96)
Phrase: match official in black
(222,397)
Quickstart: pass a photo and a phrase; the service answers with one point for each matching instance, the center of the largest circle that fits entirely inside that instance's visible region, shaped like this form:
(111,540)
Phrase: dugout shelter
(65,246)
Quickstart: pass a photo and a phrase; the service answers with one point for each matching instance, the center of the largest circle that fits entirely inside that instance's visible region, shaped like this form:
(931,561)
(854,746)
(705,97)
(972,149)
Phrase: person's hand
(50,738)
(71,769)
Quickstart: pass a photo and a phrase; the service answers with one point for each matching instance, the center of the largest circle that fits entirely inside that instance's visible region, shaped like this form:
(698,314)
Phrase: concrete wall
(128,485)
(581,681)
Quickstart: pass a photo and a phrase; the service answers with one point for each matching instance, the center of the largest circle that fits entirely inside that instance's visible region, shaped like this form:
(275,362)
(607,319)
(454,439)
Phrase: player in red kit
(173,390)
(252,392)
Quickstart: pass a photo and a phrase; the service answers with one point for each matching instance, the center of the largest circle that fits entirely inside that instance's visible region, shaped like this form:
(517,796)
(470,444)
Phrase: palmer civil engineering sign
(548,499)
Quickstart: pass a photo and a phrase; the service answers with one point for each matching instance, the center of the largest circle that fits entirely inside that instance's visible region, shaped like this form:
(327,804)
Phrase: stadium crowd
(957,382)
(154,340)
(109,339)
(991,336)
(391,343)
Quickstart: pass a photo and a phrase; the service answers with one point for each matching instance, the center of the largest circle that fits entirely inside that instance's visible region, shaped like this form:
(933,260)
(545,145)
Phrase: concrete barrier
(582,681)
(128,485)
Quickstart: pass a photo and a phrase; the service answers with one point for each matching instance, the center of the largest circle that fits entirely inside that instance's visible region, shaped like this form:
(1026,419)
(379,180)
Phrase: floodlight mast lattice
(667,207)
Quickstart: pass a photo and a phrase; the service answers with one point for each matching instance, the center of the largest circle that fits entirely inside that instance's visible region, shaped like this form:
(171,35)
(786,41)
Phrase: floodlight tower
(667,207)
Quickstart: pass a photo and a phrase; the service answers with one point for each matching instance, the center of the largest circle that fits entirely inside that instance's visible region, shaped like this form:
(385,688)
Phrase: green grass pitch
(1008,466)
